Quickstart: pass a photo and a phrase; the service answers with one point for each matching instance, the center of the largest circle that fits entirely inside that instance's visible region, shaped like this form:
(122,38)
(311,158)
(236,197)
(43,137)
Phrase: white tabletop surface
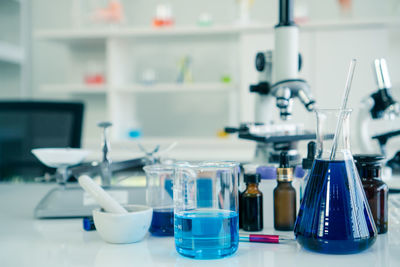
(25,241)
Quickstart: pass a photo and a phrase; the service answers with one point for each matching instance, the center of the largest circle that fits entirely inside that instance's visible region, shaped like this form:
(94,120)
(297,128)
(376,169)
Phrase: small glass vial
(252,204)
(298,183)
(284,197)
(241,190)
(159,196)
(369,168)
(267,186)
(307,165)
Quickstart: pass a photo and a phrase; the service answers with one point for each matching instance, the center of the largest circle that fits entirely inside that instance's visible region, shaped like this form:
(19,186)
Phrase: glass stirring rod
(339,123)
(264,238)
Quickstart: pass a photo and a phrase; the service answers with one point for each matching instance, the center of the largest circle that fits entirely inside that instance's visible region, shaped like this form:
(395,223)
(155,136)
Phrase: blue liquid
(162,223)
(334,215)
(206,234)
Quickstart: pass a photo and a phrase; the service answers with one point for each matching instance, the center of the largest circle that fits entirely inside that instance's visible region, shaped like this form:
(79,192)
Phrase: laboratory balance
(68,200)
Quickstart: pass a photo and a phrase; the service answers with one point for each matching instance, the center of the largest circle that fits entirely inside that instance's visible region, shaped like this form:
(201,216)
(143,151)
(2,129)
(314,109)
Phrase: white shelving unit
(122,91)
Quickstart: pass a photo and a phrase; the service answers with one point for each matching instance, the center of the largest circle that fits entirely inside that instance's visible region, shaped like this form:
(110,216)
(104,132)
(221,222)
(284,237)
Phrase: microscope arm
(278,70)
(384,138)
(379,105)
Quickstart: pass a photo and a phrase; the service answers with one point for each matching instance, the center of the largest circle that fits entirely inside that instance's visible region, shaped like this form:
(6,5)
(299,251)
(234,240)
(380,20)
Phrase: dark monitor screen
(28,125)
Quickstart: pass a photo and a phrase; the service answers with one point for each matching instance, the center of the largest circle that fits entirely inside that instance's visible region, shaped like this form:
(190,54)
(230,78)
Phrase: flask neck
(331,123)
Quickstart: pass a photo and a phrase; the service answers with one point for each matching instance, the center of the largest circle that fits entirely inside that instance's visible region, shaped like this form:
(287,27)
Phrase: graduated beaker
(159,195)
(334,216)
(206,209)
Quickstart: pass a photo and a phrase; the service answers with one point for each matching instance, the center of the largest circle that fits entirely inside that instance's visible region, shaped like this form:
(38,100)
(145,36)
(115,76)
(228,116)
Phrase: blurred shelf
(11,53)
(74,88)
(187,148)
(99,34)
(137,88)
(350,24)
(176,87)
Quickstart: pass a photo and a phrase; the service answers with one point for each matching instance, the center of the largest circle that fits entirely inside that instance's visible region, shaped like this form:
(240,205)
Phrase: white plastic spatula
(101,196)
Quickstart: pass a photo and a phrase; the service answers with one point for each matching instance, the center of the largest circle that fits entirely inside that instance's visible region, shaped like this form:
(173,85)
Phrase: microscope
(278,70)
(278,82)
(380,105)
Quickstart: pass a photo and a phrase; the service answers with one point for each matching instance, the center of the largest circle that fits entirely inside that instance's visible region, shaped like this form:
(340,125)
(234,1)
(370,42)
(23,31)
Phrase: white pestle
(100,195)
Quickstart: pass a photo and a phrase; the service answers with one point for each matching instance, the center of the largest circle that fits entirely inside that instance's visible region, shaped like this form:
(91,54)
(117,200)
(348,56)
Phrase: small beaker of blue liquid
(206,209)
(334,215)
(159,195)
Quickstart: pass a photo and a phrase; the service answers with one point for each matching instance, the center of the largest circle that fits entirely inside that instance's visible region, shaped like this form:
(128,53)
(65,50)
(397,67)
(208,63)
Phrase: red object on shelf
(95,79)
(345,5)
(113,12)
(162,22)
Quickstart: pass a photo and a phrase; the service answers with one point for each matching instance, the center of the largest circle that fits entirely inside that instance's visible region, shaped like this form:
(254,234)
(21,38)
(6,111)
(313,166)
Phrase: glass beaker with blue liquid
(206,209)
(334,215)
(159,193)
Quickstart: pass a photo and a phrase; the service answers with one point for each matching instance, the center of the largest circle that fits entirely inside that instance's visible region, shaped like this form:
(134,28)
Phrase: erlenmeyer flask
(334,216)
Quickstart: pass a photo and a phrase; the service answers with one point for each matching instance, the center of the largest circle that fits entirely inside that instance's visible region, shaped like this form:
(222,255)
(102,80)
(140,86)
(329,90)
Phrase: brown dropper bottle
(252,204)
(284,196)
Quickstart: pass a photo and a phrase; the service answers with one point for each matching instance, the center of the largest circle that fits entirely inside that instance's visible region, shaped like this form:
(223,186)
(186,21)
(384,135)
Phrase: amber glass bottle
(376,191)
(252,204)
(284,197)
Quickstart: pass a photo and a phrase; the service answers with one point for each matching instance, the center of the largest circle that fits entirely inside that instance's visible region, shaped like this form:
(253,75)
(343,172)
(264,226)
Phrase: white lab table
(25,241)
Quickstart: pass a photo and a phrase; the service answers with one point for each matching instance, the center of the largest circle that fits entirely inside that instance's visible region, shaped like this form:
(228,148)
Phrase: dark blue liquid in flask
(334,216)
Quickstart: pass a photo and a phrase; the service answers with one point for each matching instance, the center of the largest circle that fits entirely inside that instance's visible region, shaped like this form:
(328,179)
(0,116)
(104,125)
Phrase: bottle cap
(267,172)
(252,178)
(368,159)
(311,151)
(284,172)
(369,165)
